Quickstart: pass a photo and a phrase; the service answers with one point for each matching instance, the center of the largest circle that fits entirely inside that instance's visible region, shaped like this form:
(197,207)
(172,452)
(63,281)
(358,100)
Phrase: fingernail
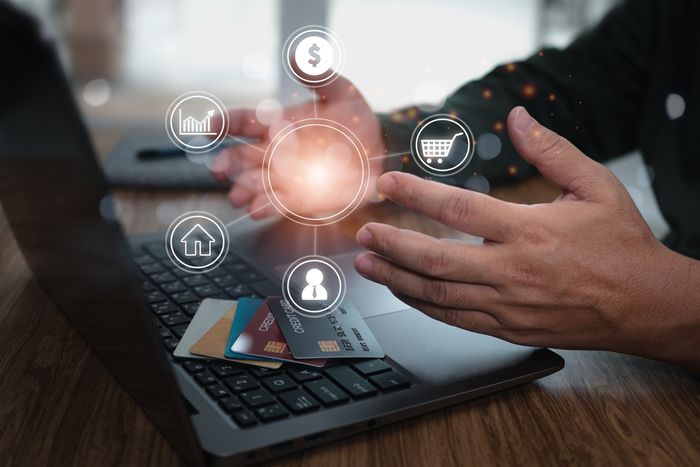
(387,183)
(522,120)
(363,264)
(364,237)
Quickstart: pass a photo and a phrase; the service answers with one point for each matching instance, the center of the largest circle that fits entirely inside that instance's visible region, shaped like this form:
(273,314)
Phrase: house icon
(197,241)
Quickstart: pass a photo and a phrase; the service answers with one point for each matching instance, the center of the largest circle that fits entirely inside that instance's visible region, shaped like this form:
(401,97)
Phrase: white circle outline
(184,266)
(287,55)
(462,164)
(287,293)
(359,150)
(170,130)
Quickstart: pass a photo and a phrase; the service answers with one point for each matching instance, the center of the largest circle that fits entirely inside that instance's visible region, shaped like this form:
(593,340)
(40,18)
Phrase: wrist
(667,315)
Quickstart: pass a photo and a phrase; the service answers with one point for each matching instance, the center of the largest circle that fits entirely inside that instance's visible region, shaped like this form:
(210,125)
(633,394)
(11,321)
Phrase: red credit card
(262,337)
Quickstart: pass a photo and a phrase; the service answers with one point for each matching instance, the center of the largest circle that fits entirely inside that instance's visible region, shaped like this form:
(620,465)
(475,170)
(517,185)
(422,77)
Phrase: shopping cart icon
(437,149)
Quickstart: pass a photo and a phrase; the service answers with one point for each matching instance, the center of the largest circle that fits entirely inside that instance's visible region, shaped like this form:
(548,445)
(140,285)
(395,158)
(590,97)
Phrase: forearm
(664,323)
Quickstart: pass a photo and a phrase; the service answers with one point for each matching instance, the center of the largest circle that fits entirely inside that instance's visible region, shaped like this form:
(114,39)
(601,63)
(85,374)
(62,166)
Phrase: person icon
(314,291)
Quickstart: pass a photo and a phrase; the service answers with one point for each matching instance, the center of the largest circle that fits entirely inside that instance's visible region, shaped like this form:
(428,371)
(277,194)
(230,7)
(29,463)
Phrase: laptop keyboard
(249,395)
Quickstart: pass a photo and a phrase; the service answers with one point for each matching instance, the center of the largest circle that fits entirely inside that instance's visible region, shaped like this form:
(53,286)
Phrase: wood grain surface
(60,406)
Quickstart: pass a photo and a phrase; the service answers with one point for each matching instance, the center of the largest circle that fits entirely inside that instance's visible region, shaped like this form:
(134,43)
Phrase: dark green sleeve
(592,93)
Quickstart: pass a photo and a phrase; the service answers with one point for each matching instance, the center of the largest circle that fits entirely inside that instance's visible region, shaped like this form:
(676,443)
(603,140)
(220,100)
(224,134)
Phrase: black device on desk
(119,295)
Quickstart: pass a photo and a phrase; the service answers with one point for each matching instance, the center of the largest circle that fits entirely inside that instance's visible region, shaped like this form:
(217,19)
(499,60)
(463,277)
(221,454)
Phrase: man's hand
(582,272)
(339,101)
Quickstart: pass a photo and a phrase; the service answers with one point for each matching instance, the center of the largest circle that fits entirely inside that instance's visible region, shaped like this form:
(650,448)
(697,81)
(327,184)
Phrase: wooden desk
(60,406)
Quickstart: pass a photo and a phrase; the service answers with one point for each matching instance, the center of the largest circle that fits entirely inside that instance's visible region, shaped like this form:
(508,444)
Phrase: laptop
(132,305)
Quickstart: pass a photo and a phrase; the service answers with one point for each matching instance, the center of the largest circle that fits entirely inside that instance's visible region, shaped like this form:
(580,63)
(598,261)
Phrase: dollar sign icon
(313,52)
(313,56)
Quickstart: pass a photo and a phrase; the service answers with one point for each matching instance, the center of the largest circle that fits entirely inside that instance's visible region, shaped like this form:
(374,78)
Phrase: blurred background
(129,59)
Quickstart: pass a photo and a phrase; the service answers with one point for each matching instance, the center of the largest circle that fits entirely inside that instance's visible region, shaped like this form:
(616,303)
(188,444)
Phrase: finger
(555,157)
(242,122)
(444,293)
(471,320)
(245,187)
(261,207)
(468,211)
(429,256)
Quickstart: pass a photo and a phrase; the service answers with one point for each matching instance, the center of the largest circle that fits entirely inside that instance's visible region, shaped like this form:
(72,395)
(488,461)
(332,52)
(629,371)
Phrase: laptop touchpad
(369,297)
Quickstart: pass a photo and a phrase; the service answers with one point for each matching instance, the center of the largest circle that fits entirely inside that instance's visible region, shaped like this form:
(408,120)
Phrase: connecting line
(387,156)
(315,240)
(247,215)
(242,141)
(314,99)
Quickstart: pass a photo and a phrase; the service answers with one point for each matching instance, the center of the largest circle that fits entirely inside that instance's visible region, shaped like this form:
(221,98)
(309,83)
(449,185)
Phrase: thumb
(554,156)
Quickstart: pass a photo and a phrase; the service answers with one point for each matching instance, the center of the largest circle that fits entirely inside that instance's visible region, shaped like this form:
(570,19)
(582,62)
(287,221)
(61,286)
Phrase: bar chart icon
(194,127)
(190,123)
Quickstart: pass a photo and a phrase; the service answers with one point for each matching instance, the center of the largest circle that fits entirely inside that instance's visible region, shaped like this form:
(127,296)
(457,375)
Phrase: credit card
(213,343)
(244,313)
(263,338)
(340,334)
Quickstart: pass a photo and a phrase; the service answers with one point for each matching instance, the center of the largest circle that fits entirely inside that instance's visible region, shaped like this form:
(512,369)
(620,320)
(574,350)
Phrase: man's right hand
(340,102)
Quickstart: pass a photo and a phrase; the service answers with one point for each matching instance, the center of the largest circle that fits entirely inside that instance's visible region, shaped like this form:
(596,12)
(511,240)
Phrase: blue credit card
(244,312)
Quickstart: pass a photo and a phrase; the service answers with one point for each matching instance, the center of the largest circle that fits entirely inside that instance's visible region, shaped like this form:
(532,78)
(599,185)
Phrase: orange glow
(529,90)
(487,93)
(552,97)
(511,67)
(512,170)
(412,112)
(498,126)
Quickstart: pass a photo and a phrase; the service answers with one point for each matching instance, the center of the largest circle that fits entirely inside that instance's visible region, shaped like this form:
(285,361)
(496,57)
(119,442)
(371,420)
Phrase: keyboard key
(153,297)
(244,418)
(224,370)
(327,392)
(193,367)
(171,344)
(351,382)
(152,268)
(172,287)
(147,286)
(227,280)
(179,330)
(157,249)
(195,281)
(250,276)
(164,333)
(162,308)
(371,367)
(390,381)
(261,372)
(303,375)
(279,383)
(205,378)
(173,319)
(265,288)
(218,391)
(240,383)
(142,259)
(237,266)
(162,277)
(230,404)
(208,290)
(256,398)
(271,412)
(299,401)
(238,291)
(191,308)
(184,297)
